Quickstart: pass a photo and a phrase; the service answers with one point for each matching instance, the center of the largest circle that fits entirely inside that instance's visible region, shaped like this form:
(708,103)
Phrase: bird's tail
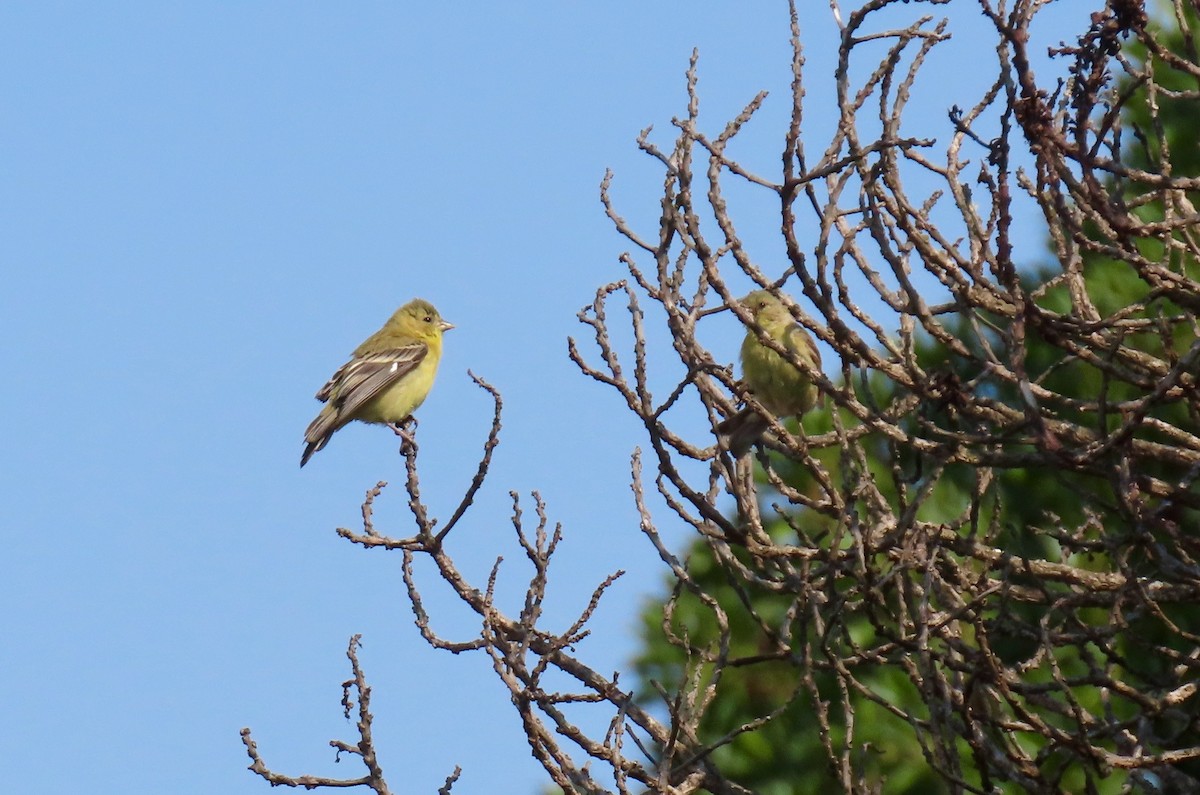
(742,430)
(318,432)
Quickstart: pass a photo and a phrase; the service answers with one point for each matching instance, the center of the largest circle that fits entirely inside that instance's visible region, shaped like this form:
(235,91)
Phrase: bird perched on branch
(387,377)
(777,384)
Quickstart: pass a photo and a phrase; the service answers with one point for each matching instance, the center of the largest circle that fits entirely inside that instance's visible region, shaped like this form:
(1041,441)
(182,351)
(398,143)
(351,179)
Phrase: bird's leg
(405,428)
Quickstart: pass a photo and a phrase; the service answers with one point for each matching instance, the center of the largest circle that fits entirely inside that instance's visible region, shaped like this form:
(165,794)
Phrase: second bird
(781,387)
(387,377)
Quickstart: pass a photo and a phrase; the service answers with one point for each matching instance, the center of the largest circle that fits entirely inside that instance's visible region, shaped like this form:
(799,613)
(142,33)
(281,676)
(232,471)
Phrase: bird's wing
(364,377)
(801,343)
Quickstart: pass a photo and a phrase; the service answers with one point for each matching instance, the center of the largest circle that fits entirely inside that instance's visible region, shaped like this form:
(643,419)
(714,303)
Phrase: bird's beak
(445,325)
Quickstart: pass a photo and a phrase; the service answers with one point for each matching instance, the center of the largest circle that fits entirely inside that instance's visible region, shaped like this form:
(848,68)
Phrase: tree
(976,568)
(1028,498)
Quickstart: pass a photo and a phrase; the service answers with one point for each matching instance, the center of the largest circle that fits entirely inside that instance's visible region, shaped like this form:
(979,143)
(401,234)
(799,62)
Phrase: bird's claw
(405,429)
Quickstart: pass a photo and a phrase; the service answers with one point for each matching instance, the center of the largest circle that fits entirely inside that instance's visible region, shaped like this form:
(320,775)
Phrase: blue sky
(207,206)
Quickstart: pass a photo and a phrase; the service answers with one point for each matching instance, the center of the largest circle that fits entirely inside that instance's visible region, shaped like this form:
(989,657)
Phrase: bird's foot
(405,429)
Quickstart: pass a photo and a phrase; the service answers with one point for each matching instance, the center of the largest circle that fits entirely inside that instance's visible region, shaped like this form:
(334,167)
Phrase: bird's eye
(428,318)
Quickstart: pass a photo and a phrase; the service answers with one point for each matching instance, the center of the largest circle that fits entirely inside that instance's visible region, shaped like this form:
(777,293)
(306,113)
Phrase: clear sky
(205,207)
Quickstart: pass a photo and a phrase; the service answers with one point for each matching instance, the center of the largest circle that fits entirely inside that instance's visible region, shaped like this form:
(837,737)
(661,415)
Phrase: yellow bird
(387,377)
(781,387)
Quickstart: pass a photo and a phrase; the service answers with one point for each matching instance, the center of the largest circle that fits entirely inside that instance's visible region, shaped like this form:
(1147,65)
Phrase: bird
(386,378)
(778,385)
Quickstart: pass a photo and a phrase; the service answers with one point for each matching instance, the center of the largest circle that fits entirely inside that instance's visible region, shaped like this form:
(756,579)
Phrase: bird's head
(420,319)
(767,310)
